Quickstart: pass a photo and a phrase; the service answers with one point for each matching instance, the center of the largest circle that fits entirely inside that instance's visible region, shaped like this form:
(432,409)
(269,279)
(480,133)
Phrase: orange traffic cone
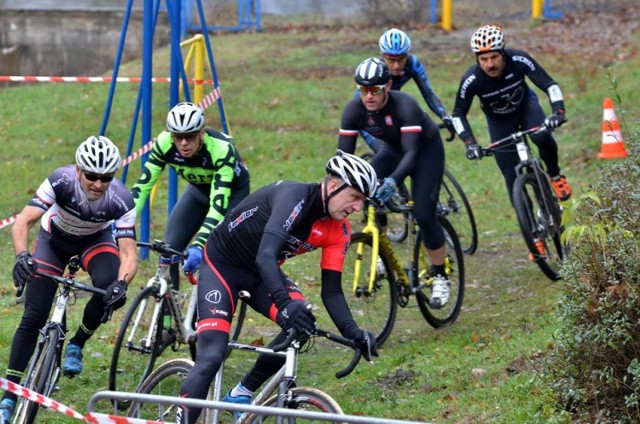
(612,143)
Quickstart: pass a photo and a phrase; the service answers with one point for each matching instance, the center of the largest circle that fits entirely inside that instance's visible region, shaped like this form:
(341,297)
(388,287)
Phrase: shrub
(594,366)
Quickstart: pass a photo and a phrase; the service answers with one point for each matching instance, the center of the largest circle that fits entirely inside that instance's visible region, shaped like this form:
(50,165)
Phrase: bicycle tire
(539,222)
(306,398)
(40,378)
(375,312)
(165,380)
(131,363)
(458,211)
(449,313)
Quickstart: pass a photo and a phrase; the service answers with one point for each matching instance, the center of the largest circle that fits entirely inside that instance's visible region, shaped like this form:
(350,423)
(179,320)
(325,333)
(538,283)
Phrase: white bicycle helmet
(98,155)
(354,171)
(487,38)
(372,71)
(394,42)
(185,118)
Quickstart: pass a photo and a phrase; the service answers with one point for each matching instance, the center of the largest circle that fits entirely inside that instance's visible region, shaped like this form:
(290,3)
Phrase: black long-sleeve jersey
(502,98)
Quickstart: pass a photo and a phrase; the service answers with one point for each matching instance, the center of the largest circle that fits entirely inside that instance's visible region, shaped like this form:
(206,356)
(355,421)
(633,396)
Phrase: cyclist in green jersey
(217,180)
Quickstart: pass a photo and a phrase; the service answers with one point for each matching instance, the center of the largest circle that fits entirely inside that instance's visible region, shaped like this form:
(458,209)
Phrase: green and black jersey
(211,170)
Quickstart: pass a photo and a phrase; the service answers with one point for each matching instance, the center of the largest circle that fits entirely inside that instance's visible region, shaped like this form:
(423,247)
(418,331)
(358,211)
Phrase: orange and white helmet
(488,38)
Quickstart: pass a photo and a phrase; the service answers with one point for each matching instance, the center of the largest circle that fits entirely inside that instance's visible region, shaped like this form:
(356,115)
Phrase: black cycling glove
(116,294)
(366,342)
(474,151)
(295,315)
(23,269)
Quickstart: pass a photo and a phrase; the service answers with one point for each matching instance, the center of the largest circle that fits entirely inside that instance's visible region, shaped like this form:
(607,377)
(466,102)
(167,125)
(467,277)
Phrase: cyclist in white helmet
(246,251)
(498,80)
(216,175)
(80,208)
(395,46)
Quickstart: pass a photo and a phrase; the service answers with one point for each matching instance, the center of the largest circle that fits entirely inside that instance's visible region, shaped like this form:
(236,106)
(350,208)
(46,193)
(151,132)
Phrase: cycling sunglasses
(105,178)
(373,89)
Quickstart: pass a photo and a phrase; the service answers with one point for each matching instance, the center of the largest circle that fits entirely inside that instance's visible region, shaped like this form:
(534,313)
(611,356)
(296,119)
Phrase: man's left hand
(386,190)
(194,258)
(555,120)
(366,341)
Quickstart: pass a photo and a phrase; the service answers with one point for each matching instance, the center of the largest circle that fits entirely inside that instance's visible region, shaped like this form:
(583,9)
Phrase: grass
(283,93)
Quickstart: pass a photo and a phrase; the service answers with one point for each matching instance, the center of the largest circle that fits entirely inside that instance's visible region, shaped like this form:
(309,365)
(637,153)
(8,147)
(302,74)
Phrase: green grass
(283,93)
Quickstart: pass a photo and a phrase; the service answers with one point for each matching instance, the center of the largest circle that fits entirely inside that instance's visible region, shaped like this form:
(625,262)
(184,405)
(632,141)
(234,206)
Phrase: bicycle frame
(185,332)
(403,276)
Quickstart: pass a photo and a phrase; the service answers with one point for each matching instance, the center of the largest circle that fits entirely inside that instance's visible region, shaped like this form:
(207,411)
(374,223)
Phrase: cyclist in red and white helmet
(217,180)
(498,80)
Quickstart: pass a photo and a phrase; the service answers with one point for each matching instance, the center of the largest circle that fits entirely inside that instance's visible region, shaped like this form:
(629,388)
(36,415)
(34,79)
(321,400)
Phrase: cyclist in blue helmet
(394,46)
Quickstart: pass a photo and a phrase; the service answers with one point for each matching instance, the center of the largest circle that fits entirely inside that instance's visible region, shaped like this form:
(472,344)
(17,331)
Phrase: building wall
(70,42)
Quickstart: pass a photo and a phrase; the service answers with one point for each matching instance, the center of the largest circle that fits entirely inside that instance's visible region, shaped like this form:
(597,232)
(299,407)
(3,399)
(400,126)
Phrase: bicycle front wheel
(41,375)
(374,309)
(454,264)
(540,218)
(456,207)
(138,343)
(300,398)
(166,380)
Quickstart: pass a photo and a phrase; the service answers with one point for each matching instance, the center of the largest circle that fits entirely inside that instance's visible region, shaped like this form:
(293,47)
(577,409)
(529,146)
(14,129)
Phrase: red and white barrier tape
(8,221)
(207,101)
(90,417)
(16,78)
(96,418)
(38,398)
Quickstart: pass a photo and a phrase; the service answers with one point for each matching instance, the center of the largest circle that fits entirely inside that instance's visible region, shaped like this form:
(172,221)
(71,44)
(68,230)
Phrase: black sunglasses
(107,178)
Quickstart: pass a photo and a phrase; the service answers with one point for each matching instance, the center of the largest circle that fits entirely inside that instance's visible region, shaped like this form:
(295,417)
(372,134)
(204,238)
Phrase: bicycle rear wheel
(134,355)
(301,398)
(373,310)
(166,380)
(540,218)
(40,375)
(453,204)
(455,272)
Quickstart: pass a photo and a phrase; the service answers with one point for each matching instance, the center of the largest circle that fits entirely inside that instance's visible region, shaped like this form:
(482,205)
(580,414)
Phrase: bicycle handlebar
(512,139)
(163,249)
(292,336)
(77,285)
(452,134)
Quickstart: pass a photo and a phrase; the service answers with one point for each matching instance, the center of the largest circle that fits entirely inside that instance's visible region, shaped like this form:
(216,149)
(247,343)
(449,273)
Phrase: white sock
(240,390)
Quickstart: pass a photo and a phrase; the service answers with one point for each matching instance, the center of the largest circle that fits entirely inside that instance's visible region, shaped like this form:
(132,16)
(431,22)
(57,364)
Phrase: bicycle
(377,282)
(280,391)
(143,334)
(537,208)
(44,367)
(452,203)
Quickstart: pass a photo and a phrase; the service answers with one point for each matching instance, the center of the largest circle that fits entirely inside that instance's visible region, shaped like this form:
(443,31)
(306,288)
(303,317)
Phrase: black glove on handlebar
(297,316)
(116,295)
(474,151)
(448,123)
(367,344)
(555,120)
(23,269)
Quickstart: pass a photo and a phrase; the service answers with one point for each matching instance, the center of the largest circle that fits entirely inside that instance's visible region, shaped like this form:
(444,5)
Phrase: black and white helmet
(185,118)
(354,171)
(372,71)
(98,155)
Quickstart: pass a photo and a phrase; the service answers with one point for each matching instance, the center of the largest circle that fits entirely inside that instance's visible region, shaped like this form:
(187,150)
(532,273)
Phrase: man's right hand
(23,269)
(474,151)
(366,342)
(297,316)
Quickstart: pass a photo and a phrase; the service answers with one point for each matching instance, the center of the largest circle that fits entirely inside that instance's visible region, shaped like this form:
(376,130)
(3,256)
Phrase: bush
(594,366)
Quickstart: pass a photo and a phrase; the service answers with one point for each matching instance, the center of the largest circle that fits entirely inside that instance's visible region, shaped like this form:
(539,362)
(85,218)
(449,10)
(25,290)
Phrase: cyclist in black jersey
(245,252)
(83,211)
(394,50)
(412,147)
(498,80)
(217,180)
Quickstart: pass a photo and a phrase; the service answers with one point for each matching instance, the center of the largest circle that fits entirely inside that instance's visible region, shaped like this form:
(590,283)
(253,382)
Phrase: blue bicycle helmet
(394,42)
